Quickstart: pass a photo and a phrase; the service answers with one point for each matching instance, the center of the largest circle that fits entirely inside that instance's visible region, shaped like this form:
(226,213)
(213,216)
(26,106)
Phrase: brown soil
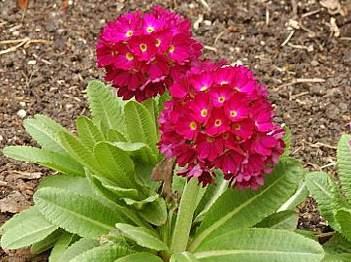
(50,76)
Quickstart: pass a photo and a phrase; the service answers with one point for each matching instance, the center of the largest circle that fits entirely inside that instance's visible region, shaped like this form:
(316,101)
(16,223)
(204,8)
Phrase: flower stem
(184,220)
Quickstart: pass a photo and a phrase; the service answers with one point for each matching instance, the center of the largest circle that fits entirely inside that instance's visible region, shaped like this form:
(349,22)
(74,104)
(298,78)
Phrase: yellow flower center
(221,99)
(158,42)
(218,123)
(129,33)
(129,56)
(233,113)
(150,29)
(193,125)
(204,88)
(204,112)
(237,127)
(171,49)
(224,82)
(143,47)
(210,139)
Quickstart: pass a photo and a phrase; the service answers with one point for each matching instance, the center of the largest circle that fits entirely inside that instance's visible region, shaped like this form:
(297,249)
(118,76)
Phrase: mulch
(299,49)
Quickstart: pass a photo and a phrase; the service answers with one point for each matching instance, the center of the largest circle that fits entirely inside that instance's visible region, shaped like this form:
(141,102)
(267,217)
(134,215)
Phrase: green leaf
(106,108)
(116,165)
(300,195)
(78,248)
(240,209)
(155,212)
(45,130)
(115,136)
(140,125)
(344,164)
(107,253)
(260,245)
(140,257)
(76,213)
(140,204)
(109,199)
(46,243)
(343,217)
(142,236)
(321,188)
(61,245)
(74,184)
(25,229)
(337,249)
(54,160)
(78,150)
(183,257)
(211,196)
(88,133)
(282,220)
(287,141)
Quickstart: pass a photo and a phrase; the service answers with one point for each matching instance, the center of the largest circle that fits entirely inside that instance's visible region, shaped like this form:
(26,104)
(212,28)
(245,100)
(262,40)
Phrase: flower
(143,53)
(219,117)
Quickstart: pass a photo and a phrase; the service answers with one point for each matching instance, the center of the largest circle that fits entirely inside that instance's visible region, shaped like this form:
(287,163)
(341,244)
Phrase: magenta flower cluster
(143,53)
(218,117)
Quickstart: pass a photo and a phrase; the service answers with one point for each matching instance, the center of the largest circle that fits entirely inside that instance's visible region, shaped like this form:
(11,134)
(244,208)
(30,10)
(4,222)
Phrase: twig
(21,42)
(319,145)
(267,15)
(14,48)
(328,165)
(205,4)
(345,38)
(218,37)
(211,48)
(310,13)
(288,38)
(299,95)
(302,80)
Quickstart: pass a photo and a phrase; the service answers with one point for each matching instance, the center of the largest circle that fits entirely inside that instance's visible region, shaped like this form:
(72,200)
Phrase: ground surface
(307,72)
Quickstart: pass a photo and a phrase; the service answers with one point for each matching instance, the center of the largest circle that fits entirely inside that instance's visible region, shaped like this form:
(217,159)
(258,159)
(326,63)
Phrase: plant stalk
(185,215)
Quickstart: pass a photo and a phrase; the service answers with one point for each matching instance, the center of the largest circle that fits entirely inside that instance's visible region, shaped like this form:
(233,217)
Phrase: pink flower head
(142,53)
(219,117)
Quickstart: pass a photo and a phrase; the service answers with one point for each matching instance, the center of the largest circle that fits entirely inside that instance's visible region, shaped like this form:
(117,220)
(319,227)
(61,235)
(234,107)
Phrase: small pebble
(22,104)
(22,113)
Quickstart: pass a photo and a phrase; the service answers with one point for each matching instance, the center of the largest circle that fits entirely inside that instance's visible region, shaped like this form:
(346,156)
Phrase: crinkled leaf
(47,243)
(108,253)
(106,108)
(78,150)
(74,184)
(139,257)
(321,188)
(88,133)
(282,220)
(61,245)
(78,248)
(45,131)
(142,236)
(54,160)
(344,164)
(140,125)
(259,245)
(25,229)
(241,209)
(337,249)
(115,164)
(155,212)
(76,213)
(343,217)
(296,199)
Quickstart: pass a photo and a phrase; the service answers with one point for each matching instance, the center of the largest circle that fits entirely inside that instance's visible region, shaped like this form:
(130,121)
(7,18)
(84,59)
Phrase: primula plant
(187,164)
(333,195)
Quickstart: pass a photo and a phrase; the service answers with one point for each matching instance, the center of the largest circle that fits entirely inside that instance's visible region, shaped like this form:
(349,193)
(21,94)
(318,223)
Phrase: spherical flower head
(143,53)
(219,117)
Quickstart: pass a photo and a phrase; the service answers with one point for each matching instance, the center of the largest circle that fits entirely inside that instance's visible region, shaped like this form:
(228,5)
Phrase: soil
(302,53)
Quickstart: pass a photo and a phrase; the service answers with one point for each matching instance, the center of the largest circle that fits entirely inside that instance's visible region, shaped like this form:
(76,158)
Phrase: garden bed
(307,73)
